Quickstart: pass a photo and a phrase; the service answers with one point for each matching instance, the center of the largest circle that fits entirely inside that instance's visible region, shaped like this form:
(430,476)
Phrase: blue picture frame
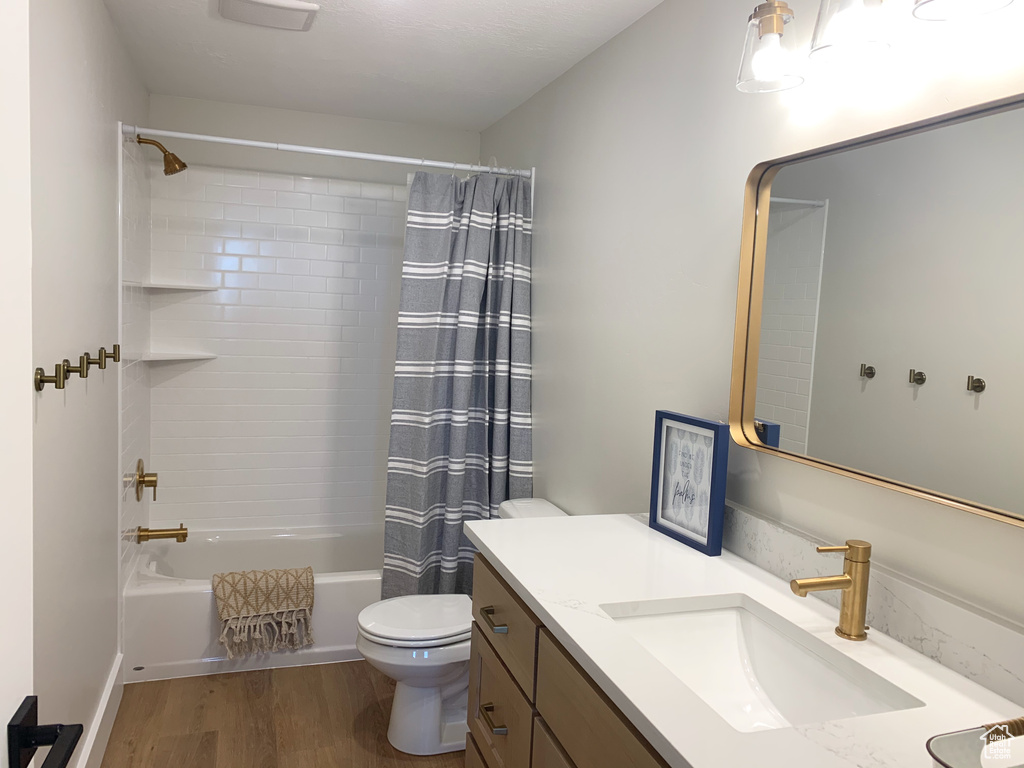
(691,458)
(768,432)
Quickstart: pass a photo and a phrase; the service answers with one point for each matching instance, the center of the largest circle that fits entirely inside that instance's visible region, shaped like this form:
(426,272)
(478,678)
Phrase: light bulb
(846,27)
(767,64)
(847,35)
(769,60)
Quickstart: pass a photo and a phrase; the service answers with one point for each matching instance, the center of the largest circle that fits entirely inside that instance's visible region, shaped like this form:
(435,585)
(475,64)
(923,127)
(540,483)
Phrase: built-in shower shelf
(169,285)
(171,357)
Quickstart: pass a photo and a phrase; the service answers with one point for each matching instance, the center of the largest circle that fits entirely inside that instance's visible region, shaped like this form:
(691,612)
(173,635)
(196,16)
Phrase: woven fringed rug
(264,611)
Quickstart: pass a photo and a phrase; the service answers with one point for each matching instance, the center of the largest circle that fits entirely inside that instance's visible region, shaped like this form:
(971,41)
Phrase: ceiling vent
(295,15)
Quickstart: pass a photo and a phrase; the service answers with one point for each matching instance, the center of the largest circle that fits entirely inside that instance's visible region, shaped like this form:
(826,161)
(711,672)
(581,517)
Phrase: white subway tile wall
(289,425)
(789,320)
(135,245)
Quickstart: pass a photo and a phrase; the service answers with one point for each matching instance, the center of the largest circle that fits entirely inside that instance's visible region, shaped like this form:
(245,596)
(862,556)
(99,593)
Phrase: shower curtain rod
(134,130)
(795,201)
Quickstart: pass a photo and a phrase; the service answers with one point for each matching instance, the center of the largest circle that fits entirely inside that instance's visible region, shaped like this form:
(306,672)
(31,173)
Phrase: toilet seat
(418,621)
(428,643)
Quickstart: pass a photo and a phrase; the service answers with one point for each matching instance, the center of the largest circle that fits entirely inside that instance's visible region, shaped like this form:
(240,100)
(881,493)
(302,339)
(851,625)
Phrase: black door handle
(24,736)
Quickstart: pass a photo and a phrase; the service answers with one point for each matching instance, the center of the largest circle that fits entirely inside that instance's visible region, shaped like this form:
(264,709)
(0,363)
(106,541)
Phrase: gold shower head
(172,163)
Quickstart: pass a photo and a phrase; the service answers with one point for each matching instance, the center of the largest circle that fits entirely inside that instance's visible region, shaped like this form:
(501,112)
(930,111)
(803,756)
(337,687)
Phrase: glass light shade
(952,10)
(848,30)
(769,64)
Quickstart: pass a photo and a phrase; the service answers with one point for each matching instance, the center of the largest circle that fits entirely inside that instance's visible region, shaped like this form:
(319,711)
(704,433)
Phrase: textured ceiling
(460,63)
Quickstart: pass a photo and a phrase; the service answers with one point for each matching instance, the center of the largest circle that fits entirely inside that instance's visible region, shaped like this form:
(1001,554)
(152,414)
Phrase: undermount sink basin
(753,667)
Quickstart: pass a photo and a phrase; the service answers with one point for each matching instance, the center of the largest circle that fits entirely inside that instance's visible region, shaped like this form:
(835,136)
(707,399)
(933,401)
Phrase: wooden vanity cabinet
(473,757)
(530,704)
(507,623)
(588,726)
(500,716)
(547,752)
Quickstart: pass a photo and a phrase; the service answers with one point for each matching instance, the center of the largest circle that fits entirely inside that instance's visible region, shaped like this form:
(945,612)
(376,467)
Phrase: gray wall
(642,151)
(287,126)
(82,83)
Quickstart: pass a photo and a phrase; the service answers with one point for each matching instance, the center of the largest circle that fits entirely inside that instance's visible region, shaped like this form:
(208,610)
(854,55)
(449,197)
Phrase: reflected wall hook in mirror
(867,371)
(917,377)
(975,385)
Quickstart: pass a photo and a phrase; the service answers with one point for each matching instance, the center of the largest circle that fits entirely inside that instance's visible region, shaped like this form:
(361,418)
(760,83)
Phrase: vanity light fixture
(767,64)
(954,10)
(847,31)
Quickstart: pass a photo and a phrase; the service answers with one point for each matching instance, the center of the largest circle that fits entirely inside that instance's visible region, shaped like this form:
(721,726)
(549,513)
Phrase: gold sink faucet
(853,584)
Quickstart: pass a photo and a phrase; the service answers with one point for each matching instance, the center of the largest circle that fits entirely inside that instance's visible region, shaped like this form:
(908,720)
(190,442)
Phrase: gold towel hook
(60,375)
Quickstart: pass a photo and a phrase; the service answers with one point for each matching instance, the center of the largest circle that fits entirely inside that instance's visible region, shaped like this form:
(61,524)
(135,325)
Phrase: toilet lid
(418,618)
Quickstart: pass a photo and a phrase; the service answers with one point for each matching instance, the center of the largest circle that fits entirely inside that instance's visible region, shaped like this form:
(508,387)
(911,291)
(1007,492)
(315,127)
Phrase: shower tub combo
(170,618)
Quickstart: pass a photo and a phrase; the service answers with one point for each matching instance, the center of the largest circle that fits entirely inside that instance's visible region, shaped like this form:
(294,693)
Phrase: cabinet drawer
(473,756)
(547,753)
(500,717)
(508,624)
(589,727)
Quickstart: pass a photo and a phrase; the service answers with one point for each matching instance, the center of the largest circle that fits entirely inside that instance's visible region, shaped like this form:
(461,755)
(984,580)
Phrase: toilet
(422,643)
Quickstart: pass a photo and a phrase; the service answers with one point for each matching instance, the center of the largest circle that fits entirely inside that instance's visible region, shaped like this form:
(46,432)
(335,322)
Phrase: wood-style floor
(326,716)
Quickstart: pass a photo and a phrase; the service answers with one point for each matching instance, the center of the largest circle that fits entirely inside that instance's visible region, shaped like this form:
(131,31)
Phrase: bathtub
(170,619)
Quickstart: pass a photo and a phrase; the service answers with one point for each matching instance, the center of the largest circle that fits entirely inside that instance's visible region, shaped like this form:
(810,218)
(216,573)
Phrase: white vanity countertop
(565,567)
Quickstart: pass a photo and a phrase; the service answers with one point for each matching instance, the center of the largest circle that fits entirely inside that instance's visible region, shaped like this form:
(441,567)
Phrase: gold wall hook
(975,385)
(144,481)
(102,356)
(179,534)
(60,375)
(82,369)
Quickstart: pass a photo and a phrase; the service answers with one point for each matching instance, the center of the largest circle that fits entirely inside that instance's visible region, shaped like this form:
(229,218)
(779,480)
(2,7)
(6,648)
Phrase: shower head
(172,163)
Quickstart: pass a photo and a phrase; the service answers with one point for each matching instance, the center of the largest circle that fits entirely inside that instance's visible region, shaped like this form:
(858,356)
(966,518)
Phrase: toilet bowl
(422,643)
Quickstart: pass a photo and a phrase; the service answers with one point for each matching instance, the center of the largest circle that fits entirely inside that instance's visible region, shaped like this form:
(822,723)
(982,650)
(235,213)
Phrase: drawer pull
(498,629)
(485,713)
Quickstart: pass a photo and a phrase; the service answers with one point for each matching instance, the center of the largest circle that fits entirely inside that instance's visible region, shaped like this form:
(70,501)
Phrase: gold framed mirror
(879,322)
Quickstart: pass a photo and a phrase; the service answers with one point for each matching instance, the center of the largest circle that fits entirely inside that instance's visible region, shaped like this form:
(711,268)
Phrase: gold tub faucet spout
(853,584)
(179,534)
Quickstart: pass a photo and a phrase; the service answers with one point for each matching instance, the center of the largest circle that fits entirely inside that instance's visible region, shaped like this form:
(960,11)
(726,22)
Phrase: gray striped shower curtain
(461,419)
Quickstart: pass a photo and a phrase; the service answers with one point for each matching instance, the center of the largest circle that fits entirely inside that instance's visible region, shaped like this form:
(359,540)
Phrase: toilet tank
(528,508)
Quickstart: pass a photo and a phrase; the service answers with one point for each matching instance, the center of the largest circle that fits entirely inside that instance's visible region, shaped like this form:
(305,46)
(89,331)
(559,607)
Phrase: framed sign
(688,480)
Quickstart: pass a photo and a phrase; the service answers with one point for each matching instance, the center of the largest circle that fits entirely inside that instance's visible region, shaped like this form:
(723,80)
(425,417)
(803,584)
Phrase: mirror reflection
(892,322)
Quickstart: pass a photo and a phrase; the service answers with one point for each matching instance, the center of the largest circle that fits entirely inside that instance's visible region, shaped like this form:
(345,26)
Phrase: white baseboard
(97,733)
